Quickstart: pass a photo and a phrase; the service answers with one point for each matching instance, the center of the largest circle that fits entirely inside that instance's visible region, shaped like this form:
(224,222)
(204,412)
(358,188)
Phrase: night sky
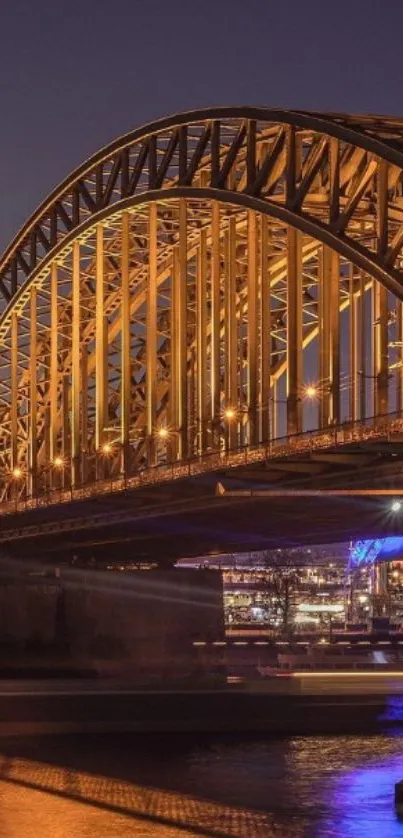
(74,75)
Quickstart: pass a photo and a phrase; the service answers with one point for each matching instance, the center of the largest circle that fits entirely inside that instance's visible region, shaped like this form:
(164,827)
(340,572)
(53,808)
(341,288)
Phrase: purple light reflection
(362,803)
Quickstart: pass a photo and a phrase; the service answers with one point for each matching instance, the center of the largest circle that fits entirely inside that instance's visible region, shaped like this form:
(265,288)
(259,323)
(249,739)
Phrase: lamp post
(16,476)
(105,453)
(309,393)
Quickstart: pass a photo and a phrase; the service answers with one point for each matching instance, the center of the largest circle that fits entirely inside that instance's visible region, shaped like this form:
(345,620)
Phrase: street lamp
(163,432)
(311,391)
(229,413)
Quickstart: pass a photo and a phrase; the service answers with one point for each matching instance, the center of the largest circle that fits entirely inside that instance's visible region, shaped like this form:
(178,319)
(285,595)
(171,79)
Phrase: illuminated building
(337,584)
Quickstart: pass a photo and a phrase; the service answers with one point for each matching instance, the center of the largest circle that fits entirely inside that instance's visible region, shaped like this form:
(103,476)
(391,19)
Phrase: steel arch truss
(182,289)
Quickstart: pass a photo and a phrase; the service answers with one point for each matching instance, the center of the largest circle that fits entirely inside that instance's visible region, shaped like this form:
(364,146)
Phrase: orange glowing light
(229,413)
(163,433)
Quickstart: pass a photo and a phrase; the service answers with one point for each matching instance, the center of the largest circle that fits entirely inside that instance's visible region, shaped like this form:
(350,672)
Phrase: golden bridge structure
(220,287)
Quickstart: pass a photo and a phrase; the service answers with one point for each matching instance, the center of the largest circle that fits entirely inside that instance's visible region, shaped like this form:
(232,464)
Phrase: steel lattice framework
(210,265)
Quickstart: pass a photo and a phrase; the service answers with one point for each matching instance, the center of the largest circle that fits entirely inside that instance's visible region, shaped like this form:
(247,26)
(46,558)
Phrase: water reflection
(304,787)
(364,802)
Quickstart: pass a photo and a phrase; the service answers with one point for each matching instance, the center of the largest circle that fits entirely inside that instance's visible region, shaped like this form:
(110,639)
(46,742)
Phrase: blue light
(361,802)
(370,550)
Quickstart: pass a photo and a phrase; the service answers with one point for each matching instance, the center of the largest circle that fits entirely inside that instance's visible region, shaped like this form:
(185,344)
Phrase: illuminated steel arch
(182,284)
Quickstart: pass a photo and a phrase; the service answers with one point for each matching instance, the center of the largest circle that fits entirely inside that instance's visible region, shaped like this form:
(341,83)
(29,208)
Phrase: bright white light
(302,618)
(308,607)
(396,506)
(311,391)
(257,612)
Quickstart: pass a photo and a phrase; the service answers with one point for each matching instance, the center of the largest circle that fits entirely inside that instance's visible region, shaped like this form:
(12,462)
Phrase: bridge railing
(385,427)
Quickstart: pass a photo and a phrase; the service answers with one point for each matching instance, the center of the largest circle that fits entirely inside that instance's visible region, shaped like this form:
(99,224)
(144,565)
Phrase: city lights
(329,608)
(396,506)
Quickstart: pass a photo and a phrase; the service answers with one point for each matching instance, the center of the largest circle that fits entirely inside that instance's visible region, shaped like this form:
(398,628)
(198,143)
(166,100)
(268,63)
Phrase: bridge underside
(288,502)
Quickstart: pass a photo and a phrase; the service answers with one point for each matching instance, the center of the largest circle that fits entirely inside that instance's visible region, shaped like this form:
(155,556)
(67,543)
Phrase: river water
(166,787)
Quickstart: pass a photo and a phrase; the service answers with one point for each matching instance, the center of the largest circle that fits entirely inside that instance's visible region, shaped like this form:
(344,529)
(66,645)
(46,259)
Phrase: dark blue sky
(75,74)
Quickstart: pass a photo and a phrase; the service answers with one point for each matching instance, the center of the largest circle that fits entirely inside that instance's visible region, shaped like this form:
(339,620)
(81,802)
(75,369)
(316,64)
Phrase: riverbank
(183,786)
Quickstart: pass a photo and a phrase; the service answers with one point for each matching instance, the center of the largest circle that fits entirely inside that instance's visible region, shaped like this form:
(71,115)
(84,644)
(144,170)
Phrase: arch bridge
(207,289)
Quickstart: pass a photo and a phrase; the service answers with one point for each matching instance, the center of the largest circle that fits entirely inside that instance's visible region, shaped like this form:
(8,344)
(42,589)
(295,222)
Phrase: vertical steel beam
(151,353)
(181,332)
(201,340)
(243,424)
(382,208)
(253,345)
(100,345)
(53,383)
(264,331)
(192,390)
(125,386)
(291,164)
(46,439)
(215,320)
(294,331)
(323,365)
(174,384)
(332,271)
(329,339)
(274,405)
(251,153)
(380,347)
(84,413)
(334,179)
(354,349)
(65,410)
(215,152)
(231,361)
(381,370)
(75,368)
(14,391)
(362,346)
(33,394)
(399,369)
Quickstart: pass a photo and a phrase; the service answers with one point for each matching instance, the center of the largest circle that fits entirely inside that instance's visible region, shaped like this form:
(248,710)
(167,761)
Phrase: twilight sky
(75,74)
